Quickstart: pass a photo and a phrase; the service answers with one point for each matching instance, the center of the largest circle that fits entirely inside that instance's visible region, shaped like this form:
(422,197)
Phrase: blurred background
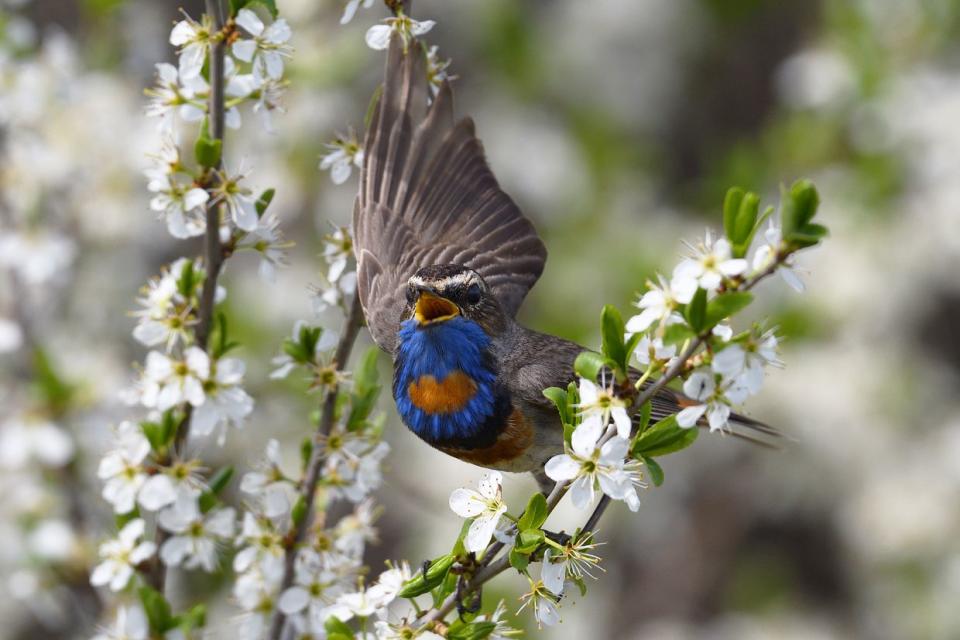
(617,125)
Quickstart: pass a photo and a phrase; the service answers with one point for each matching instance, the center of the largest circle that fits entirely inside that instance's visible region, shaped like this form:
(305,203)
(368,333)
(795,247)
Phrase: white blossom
(122,468)
(545,609)
(345,153)
(485,506)
(378,36)
(239,200)
(601,401)
(592,467)
(276,494)
(130,624)
(351,9)
(165,316)
(260,544)
(194,40)
(168,382)
(38,257)
(267,240)
(195,535)
(745,362)
(768,254)
(285,363)
(436,70)
(713,401)
(120,556)
(225,403)
(315,590)
(25,440)
(711,263)
(648,350)
(268,47)
(659,305)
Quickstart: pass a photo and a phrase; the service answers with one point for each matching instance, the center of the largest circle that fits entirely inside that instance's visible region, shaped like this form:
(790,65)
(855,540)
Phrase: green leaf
(271,6)
(236,5)
(696,311)
(122,519)
(424,582)
(799,207)
(558,397)
(333,625)
(195,618)
(207,150)
(664,437)
(519,561)
(299,511)
(645,412)
(365,375)
(612,332)
(656,471)
(472,631)
(589,363)
(157,609)
(726,305)
(221,479)
(188,280)
(529,540)
(264,201)
(535,514)
(677,333)
(55,391)
(731,206)
(745,224)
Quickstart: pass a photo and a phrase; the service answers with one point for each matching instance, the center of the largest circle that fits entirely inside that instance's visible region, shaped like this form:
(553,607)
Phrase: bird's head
(439,293)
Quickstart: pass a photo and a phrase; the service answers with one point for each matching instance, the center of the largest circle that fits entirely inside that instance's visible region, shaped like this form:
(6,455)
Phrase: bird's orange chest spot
(446,396)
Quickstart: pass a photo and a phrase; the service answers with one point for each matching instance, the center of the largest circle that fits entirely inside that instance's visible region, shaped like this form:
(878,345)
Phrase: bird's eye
(411,295)
(473,293)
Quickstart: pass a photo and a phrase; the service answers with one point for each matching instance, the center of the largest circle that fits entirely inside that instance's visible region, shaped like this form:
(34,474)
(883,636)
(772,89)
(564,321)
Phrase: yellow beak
(431,309)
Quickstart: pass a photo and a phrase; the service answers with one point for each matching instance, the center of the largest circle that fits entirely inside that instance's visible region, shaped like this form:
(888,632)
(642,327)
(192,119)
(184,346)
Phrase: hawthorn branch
(494,564)
(213,254)
(311,477)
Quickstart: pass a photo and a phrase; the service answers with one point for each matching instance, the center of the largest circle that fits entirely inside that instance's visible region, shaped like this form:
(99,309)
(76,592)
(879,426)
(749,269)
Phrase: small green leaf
(731,206)
(236,5)
(535,514)
(696,311)
(558,397)
(299,511)
(207,150)
(221,479)
(188,280)
(664,437)
(472,631)
(333,625)
(157,609)
(726,305)
(194,618)
(264,201)
(645,412)
(519,561)
(612,331)
(424,582)
(799,205)
(529,540)
(589,363)
(677,333)
(656,471)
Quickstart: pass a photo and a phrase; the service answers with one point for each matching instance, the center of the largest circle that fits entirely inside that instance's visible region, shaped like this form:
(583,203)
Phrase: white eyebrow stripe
(446,281)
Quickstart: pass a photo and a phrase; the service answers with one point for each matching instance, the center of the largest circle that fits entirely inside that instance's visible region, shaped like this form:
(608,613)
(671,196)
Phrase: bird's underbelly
(514,449)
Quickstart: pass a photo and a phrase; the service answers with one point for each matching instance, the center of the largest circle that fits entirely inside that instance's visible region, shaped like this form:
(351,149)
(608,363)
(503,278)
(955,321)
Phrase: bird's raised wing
(428,197)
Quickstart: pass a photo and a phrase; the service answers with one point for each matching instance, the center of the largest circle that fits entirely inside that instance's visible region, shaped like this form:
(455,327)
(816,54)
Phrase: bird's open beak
(431,309)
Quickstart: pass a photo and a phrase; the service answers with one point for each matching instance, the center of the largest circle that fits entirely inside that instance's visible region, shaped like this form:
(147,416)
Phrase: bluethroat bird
(445,259)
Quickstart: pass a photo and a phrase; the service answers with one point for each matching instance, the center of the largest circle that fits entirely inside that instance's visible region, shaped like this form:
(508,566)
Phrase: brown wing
(428,197)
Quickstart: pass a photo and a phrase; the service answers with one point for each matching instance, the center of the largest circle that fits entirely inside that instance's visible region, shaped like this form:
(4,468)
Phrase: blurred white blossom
(120,556)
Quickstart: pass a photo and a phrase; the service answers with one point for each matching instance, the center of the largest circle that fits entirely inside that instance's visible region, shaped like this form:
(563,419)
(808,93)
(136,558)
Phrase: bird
(444,260)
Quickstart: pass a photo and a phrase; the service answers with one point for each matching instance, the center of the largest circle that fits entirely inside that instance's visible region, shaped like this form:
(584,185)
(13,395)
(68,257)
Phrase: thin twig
(491,565)
(308,487)
(213,256)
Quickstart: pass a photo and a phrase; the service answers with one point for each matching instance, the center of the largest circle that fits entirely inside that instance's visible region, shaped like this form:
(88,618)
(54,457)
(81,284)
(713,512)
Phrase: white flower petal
(689,416)
(466,503)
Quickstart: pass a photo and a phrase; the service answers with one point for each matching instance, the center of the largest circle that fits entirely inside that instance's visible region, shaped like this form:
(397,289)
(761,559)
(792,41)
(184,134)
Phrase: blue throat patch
(455,345)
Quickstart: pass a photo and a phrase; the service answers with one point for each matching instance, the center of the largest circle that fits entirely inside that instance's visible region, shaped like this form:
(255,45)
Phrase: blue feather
(438,350)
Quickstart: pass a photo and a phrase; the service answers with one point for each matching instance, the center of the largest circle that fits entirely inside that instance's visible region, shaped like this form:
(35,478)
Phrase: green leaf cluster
(742,219)
(799,206)
(161,618)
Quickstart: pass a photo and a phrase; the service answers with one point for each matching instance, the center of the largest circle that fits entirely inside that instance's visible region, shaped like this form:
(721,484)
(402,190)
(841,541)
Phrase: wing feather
(427,196)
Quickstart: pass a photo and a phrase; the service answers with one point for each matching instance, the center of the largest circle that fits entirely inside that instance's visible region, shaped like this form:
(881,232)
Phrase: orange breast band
(447,396)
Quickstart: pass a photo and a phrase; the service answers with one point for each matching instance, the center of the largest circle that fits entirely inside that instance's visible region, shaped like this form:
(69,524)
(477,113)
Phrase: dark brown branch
(311,478)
